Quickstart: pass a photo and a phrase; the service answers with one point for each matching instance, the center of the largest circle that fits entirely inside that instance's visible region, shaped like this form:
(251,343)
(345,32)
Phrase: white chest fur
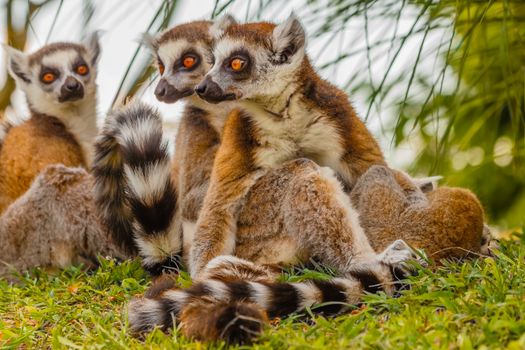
(299,132)
(84,129)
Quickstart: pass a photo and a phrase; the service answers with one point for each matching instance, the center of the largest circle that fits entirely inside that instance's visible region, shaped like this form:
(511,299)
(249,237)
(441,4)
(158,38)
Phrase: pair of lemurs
(257,201)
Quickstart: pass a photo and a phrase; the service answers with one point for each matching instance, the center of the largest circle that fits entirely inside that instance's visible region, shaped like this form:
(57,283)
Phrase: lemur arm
(232,176)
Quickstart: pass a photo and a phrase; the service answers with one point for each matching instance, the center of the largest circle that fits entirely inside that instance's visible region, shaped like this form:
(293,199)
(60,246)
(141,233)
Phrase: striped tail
(237,310)
(134,188)
(233,298)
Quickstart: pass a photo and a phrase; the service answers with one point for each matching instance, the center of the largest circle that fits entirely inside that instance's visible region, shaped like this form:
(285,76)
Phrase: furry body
(59,83)
(54,224)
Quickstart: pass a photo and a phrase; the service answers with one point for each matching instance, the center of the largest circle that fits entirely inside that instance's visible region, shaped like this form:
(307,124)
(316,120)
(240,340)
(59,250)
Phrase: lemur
(307,185)
(286,112)
(54,224)
(58,81)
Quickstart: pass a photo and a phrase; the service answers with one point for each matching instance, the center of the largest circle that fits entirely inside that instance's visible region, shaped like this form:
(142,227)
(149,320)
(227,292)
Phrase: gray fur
(54,224)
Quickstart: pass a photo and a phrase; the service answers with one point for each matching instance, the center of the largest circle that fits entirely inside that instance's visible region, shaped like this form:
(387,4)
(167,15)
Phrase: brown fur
(192,32)
(29,148)
(196,139)
(37,56)
(446,222)
(236,323)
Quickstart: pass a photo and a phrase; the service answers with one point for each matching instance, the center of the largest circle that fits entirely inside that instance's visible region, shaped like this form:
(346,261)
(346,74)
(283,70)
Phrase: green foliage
(477,304)
(481,143)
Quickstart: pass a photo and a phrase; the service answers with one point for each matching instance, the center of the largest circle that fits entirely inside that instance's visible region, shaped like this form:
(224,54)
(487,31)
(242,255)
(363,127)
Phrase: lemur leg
(306,214)
(216,226)
(233,174)
(334,234)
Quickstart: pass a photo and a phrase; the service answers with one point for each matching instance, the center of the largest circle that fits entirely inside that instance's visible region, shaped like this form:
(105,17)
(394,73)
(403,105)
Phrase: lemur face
(254,61)
(183,56)
(60,73)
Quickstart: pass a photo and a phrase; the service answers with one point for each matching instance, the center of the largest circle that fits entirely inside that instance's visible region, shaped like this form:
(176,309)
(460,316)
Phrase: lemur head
(254,61)
(58,76)
(184,56)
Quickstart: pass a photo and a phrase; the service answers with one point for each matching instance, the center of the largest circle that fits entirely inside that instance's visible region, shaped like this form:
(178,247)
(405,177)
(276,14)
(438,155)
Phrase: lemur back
(59,83)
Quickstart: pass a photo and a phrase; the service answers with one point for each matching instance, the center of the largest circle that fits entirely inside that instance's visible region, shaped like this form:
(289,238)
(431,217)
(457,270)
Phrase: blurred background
(440,83)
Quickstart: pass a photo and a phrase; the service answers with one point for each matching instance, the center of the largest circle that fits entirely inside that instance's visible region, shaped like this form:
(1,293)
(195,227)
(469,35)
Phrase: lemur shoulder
(58,81)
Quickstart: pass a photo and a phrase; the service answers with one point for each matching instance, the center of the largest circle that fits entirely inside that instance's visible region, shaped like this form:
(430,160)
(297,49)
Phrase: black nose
(162,89)
(202,87)
(72,84)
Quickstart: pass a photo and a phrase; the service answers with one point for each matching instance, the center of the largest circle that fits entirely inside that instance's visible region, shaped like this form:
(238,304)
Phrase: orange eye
(161,68)
(237,64)
(48,78)
(188,61)
(82,69)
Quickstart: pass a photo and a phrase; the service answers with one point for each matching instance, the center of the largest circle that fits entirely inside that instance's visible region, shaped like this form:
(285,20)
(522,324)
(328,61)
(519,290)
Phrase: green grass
(478,304)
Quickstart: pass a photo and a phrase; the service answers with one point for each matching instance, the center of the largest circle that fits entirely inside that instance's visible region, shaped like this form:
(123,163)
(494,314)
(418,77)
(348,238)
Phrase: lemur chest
(303,136)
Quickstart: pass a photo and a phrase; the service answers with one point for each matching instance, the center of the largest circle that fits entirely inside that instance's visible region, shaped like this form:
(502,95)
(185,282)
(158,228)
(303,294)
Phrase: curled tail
(278,299)
(134,188)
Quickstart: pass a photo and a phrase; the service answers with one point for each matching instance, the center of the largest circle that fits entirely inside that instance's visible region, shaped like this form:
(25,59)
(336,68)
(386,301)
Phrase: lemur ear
(219,26)
(17,64)
(288,38)
(427,184)
(150,41)
(92,43)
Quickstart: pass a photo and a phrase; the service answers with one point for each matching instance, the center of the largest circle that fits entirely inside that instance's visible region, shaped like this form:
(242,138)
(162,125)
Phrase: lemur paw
(387,270)
(488,244)
(397,253)
(400,258)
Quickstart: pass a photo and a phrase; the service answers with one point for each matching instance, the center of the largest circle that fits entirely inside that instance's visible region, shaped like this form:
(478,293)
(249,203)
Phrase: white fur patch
(144,314)
(227,260)
(149,185)
(261,295)
(178,295)
(219,290)
(309,293)
(299,133)
(139,132)
(188,234)
(157,248)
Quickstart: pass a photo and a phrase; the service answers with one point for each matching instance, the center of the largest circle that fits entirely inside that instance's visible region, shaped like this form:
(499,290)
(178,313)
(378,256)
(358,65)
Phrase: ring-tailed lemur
(286,112)
(58,81)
